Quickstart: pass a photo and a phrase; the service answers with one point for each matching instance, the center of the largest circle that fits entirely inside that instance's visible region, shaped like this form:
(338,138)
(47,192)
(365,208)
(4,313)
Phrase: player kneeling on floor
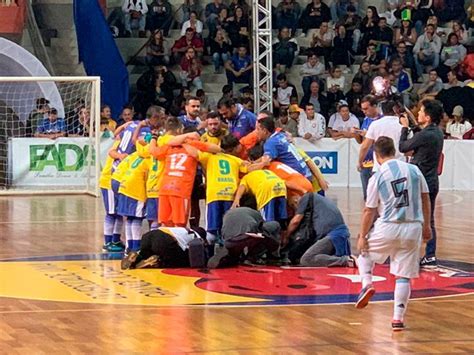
(399,195)
(169,248)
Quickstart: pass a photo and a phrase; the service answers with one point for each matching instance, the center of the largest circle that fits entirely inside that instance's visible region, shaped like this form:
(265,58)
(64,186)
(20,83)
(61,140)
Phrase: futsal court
(60,294)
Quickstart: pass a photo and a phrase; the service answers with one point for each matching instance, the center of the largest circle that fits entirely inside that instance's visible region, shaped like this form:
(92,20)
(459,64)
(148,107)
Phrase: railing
(36,39)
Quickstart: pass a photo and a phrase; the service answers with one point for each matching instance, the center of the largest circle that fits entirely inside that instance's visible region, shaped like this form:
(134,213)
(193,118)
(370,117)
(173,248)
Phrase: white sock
(401,297)
(128,232)
(118,224)
(366,265)
(137,228)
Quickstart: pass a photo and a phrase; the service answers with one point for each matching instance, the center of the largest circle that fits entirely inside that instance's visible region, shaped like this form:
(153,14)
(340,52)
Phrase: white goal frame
(93,170)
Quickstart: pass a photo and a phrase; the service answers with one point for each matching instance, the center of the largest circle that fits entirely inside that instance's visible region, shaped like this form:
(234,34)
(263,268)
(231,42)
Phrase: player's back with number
(398,187)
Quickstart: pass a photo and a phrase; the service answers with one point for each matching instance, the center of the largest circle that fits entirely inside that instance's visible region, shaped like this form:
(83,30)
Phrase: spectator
(406,59)
(452,55)
(341,8)
(160,16)
(51,127)
(285,49)
(321,45)
(160,95)
(190,73)
(284,93)
(156,50)
(310,72)
(211,13)
(239,67)
(426,50)
(287,15)
(107,123)
(220,49)
(383,39)
(368,28)
(453,80)
(335,84)
(365,76)
(80,127)
(248,103)
(391,12)
(459,126)
(134,12)
(127,114)
(37,116)
(459,29)
(354,98)
(207,102)
(351,22)
(227,92)
(431,87)
(342,51)
(315,13)
(238,29)
(288,120)
(369,106)
(422,14)
(187,7)
(451,10)
(402,80)
(319,101)
(373,58)
(234,4)
(406,34)
(189,40)
(193,23)
(221,23)
(240,121)
(312,125)
(343,123)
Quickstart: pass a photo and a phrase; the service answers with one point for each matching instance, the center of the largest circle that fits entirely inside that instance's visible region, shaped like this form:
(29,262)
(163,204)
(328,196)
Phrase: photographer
(426,145)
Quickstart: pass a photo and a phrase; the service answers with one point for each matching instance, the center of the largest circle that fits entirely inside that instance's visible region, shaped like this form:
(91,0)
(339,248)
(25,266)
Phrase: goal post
(50,135)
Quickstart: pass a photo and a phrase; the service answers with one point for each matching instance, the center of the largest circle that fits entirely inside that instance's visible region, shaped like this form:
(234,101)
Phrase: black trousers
(255,246)
(166,247)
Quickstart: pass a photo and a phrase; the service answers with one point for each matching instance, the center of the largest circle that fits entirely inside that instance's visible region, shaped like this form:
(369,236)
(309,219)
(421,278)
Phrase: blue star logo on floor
(97,278)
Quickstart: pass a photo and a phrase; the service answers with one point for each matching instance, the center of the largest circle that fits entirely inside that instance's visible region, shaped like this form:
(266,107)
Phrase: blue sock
(135,245)
(107,239)
(116,238)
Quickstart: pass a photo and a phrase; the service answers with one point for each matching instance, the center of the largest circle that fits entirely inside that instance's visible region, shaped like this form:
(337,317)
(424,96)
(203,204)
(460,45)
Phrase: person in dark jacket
(426,145)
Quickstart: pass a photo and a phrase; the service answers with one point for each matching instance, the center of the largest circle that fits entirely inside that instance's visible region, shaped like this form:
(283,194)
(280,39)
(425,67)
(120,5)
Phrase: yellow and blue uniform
(155,174)
(270,193)
(222,177)
(105,184)
(208,138)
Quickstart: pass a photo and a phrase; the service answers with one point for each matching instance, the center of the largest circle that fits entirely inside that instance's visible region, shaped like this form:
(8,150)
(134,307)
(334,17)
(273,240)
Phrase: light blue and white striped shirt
(395,189)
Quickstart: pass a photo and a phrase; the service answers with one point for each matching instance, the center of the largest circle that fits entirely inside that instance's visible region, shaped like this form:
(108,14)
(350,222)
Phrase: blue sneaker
(364,296)
(105,247)
(115,247)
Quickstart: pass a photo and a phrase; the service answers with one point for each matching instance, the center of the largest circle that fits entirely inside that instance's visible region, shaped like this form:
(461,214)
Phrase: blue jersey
(369,157)
(189,123)
(126,145)
(395,190)
(243,123)
(51,127)
(277,147)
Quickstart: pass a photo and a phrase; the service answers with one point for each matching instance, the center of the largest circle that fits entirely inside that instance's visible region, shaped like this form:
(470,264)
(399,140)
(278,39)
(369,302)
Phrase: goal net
(50,135)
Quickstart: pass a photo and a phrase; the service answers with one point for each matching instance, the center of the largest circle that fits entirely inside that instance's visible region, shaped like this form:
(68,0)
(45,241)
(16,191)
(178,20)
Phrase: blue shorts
(115,186)
(215,214)
(129,207)
(152,209)
(110,201)
(275,210)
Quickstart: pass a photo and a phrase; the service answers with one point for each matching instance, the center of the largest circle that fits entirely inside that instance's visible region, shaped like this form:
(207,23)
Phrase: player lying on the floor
(167,248)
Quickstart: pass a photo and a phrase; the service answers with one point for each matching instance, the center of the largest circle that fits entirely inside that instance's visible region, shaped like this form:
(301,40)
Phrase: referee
(426,146)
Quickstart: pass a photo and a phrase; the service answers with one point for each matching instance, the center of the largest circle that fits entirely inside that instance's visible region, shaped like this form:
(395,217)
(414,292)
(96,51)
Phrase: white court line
(58,221)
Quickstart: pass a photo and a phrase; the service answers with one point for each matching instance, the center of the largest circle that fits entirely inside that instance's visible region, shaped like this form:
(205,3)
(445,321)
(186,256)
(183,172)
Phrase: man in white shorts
(399,195)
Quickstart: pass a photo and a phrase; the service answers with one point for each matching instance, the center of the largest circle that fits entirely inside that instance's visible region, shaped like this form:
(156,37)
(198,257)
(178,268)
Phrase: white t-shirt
(284,95)
(336,81)
(457,130)
(187,24)
(316,127)
(182,235)
(387,126)
(338,124)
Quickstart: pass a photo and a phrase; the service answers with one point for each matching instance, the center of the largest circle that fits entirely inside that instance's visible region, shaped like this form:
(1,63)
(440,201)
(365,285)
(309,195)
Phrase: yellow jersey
(265,185)
(105,180)
(134,178)
(156,169)
(222,175)
(314,182)
(207,138)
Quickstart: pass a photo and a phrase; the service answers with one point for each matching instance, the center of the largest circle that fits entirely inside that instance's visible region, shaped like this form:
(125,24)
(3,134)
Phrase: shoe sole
(128,260)
(364,300)
(398,328)
(151,261)
(431,267)
(213,262)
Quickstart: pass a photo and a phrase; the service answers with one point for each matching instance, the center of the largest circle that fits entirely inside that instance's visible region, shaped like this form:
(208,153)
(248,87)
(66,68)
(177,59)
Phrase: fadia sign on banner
(59,162)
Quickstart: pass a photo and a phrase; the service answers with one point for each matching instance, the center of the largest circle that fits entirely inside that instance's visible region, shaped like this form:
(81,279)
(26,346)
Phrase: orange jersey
(287,173)
(179,169)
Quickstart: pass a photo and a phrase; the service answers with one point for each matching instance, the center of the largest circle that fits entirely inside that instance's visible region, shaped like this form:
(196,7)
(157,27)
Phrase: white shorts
(399,241)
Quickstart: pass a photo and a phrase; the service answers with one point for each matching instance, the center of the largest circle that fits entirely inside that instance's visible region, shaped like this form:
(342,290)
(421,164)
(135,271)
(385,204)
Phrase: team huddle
(265,203)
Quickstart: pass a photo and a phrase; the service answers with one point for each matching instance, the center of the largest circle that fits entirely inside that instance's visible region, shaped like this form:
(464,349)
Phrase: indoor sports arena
(296,172)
